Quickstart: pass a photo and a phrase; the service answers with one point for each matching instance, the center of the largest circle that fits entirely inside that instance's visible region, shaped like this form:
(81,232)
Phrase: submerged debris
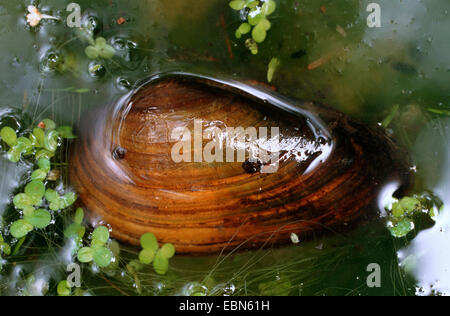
(294,238)
(34,17)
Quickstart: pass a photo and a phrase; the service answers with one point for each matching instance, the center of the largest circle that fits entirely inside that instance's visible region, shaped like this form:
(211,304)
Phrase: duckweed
(76,230)
(151,253)
(9,136)
(42,142)
(256,13)
(64,288)
(146,256)
(102,256)
(97,252)
(20,228)
(100,50)
(100,236)
(148,241)
(402,212)
(39,218)
(167,251)
(85,254)
(273,65)
(160,263)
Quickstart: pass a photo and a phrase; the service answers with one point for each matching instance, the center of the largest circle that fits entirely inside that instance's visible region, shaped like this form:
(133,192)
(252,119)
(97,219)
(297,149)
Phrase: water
(363,72)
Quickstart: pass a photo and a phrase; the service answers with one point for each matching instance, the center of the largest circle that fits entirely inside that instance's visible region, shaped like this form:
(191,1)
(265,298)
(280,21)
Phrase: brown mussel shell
(330,171)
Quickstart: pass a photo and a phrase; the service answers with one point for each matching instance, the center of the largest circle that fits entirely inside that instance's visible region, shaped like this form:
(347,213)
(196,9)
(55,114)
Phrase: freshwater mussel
(170,158)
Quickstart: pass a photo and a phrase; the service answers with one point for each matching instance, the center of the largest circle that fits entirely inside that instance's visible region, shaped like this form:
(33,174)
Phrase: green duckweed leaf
(9,136)
(252,4)
(79,216)
(35,190)
(23,144)
(160,264)
(28,211)
(397,210)
(68,199)
(237,4)
(148,241)
(44,153)
(92,52)
(107,52)
(38,175)
(273,65)
(100,49)
(22,200)
(55,206)
(402,228)
(44,164)
(39,134)
(52,196)
(244,28)
(14,155)
(102,256)
(85,255)
(265,24)
(74,230)
(100,236)
(114,247)
(167,251)
(34,141)
(146,256)
(100,42)
(49,124)
(39,219)
(20,228)
(255,16)
(259,33)
(64,288)
(409,204)
(269,7)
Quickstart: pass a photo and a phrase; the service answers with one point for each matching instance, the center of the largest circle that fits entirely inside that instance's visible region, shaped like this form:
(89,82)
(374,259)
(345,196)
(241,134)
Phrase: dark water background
(369,70)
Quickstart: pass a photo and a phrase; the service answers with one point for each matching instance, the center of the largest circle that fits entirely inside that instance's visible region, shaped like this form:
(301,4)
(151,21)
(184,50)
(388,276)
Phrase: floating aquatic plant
(273,65)
(256,13)
(100,50)
(402,212)
(64,288)
(97,252)
(151,253)
(4,249)
(76,230)
(42,142)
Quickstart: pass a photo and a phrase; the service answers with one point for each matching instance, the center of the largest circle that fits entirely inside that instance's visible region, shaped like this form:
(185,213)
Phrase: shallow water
(363,72)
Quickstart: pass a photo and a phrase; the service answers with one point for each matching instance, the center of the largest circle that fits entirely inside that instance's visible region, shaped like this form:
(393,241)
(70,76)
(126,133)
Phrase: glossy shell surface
(141,167)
